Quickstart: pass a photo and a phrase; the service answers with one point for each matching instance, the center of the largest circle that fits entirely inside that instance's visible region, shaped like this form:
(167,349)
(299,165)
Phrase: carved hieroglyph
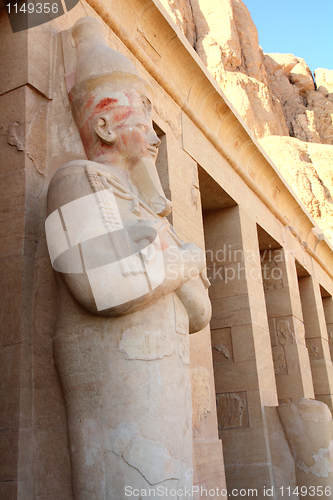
(130,290)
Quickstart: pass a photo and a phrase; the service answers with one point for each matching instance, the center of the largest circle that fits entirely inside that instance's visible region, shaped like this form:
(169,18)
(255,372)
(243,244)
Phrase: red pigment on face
(103,148)
(121,116)
(104,103)
(89,103)
(133,140)
(86,136)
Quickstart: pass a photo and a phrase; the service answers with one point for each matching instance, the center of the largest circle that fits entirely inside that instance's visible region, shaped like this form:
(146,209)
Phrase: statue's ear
(104,130)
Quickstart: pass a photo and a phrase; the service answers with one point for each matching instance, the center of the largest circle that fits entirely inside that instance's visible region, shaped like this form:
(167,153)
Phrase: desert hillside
(289,110)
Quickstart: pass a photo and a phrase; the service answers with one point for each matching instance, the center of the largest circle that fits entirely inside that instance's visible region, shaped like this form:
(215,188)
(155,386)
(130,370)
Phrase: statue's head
(112,108)
(111,104)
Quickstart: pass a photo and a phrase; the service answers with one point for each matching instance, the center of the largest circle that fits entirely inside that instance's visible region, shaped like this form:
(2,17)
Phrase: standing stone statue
(130,291)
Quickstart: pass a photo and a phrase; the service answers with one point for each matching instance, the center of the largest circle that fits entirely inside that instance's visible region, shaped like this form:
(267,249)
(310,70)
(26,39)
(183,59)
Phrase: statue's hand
(188,255)
(143,233)
(183,263)
(195,256)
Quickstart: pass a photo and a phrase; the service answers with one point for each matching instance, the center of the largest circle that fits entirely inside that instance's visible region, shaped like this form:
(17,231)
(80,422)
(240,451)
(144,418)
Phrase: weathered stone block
(222,346)
(232,410)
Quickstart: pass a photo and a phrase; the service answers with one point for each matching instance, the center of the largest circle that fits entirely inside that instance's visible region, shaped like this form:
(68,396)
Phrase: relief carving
(201,396)
(222,345)
(15,136)
(223,350)
(230,410)
(284,333)
(312,348)
(272,275)
(130,291)
(279,360)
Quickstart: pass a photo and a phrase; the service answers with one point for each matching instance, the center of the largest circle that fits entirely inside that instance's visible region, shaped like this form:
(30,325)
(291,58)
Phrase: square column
(328,311)
(317,339)
(181,179)
(243,364)
(290,355)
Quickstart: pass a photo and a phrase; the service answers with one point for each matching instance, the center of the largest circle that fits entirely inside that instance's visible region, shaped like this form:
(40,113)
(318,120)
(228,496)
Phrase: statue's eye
(141,126)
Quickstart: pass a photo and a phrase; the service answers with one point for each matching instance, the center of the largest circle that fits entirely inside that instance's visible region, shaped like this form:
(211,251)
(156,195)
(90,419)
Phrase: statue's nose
(154,140)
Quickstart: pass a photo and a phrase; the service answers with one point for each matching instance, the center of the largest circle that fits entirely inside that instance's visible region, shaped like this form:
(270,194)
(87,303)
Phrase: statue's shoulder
(69,183)
(87,170)
(71,169)
(80,178)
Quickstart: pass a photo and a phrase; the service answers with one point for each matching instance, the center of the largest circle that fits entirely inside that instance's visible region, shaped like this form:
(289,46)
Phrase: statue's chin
(144,176)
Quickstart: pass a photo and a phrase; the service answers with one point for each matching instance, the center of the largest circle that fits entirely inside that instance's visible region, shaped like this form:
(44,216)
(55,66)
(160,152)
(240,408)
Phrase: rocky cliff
(289,110)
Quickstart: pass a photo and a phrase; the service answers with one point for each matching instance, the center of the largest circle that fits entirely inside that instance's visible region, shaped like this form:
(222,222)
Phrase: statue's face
(136,137)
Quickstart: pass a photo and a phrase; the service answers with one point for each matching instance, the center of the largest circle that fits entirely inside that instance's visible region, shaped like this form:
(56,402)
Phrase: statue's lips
(153,151)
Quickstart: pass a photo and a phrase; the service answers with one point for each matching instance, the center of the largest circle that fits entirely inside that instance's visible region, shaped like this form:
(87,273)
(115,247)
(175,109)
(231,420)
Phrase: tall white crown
(94,56)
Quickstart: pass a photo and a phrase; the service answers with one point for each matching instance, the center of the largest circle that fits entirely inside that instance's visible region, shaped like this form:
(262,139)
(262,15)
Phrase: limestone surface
(308,427)
(181,13)
(307,167)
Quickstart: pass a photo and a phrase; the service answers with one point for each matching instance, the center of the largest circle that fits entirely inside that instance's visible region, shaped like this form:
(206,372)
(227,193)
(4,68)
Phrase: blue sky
(300,27)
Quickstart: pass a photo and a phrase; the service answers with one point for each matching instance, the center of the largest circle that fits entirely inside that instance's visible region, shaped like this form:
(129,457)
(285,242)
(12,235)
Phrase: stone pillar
(18,236)
(291,360)
(15,272)
(317,339)
(187,220)
(328,311)
(24,94)
(243,365)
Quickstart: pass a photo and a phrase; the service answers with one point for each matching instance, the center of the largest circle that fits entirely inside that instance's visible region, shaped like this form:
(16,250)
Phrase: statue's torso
(126,381)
